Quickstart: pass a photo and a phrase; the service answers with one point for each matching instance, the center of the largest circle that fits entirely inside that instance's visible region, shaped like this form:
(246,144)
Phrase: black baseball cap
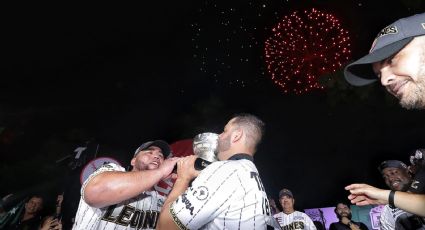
(388,42)
(392,164)
(165,148)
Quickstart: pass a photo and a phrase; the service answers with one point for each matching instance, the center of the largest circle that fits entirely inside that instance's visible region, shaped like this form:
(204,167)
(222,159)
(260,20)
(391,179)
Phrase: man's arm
(113,187)
(185,173)
(363,194)
(309,223)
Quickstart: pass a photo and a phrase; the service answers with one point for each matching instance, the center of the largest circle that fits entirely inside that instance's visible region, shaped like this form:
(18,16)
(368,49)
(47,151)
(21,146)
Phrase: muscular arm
(185,173)
(363,194)
(113,187)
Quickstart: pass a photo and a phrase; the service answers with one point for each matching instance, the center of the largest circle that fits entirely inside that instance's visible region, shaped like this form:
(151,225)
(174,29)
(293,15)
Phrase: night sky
(119,75)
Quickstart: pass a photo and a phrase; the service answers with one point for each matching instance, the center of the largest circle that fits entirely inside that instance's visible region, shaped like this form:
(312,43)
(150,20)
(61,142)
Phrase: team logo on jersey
(132,217)
(294,225)
(201,193)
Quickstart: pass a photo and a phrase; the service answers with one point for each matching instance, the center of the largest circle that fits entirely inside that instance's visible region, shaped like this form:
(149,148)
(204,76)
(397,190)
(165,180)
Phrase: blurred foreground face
(403,74)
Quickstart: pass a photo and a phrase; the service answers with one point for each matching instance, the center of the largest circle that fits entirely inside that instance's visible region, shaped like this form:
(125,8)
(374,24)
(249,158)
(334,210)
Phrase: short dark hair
(336,207)
(35,195)
(253,126)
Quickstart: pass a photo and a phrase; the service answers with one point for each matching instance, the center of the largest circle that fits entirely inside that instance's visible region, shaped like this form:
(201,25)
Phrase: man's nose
(387,77)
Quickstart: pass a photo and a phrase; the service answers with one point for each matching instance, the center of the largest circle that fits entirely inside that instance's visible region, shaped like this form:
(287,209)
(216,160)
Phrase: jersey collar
(240,156)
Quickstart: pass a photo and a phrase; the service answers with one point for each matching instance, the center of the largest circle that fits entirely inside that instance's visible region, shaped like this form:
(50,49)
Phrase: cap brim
(360,72)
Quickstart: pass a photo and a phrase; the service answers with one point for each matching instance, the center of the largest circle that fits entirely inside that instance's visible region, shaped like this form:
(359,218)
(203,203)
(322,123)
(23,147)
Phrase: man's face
(34,205)
(287,202)
(396,179)
(343,210)
(224,139)
(147,159)
(403,75)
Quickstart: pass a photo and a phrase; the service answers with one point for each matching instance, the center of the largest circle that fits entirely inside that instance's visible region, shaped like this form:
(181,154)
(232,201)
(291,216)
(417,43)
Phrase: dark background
(119,75)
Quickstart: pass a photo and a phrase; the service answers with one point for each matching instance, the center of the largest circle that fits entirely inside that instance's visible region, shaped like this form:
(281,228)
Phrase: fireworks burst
(304,46)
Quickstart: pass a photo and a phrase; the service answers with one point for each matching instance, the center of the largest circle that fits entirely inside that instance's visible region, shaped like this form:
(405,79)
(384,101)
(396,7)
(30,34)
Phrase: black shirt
(341,226)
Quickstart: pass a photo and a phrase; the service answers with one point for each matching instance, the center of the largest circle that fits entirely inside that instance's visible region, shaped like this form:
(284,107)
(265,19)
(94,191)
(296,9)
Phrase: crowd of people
(229,194)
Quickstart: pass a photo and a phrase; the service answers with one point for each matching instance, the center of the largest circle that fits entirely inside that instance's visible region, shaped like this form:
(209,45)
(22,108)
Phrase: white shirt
(140,212)
(226,195)
(295,220)
(396,218)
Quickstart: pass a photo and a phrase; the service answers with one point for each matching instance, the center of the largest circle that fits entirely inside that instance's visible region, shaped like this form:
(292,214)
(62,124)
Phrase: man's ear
(133,161)
(237,135)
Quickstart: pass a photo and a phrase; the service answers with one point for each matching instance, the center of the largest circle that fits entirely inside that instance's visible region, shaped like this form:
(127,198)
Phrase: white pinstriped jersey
(387,218)
(141,212)
(226,195)
(395,218)
(295,220)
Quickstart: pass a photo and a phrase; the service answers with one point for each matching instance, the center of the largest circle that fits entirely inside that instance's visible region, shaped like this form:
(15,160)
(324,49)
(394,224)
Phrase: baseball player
(112,198)
(227,194)
(289,218)
(397,178)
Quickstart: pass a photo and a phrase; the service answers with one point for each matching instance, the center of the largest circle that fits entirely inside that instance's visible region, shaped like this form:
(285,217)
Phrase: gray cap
(285,192)
(165,148)
(389,41)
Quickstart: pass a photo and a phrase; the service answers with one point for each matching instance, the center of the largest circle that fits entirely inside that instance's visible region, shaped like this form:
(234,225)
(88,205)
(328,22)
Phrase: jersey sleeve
(309,222)
(210,194)
(386,221)
(104,168)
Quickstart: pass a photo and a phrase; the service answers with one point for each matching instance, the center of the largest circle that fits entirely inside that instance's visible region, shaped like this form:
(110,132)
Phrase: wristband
(391,199)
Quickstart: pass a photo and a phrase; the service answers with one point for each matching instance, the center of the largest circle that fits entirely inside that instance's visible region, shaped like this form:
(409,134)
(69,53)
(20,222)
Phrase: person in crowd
(227,194)
(396,59)
(53,222)
(273,206)
(397,178)
(111,195)
(289,218)
(343,213)
(30,218)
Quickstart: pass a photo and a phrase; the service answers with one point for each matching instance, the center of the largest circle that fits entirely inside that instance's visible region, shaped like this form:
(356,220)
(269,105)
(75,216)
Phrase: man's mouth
(397,88)
(156,163)
(395,184)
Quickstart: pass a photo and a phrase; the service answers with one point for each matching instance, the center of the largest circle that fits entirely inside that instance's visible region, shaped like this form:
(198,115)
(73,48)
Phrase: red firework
(304,46)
